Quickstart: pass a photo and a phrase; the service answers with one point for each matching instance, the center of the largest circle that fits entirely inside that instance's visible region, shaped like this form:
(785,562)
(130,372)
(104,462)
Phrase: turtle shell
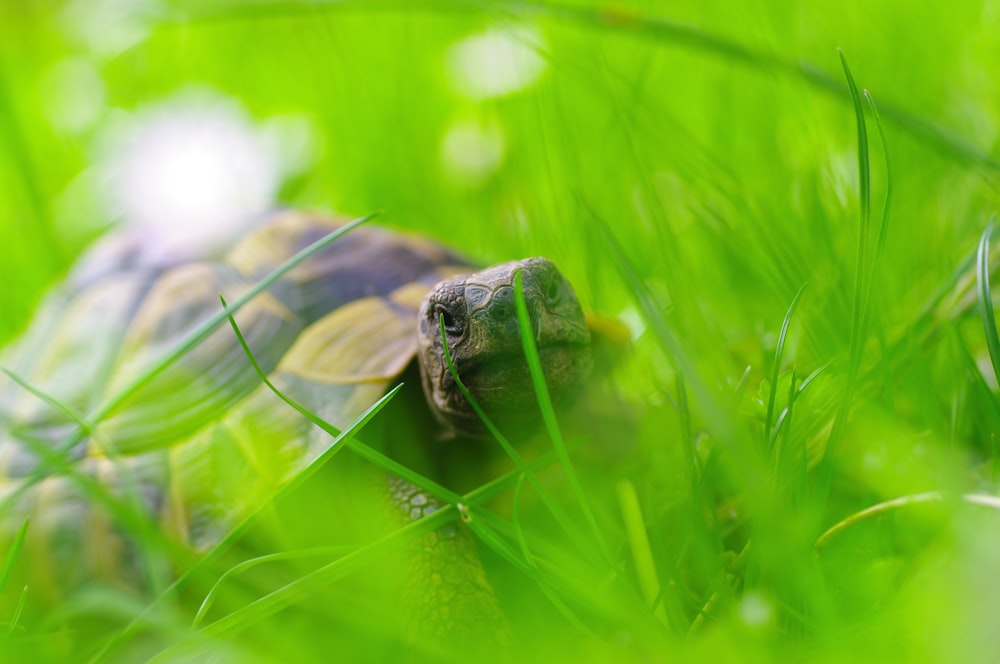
(202,440)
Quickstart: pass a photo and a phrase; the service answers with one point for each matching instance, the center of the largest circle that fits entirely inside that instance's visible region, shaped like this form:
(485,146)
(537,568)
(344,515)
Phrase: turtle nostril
(502,304)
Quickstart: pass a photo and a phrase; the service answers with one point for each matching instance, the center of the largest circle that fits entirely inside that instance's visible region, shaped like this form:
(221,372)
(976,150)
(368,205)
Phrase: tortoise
(203,444)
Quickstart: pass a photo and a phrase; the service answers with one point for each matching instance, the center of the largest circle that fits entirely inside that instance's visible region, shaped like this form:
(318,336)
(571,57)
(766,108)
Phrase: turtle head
(484,340)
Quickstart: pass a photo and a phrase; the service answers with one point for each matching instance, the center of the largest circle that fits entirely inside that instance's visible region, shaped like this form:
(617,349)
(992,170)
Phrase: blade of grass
(864,197)
(776,369)
(557,512)
(723,589)
(522,542)
(978,381)
(549,416)
(13,551)
(780,445)
(784,417)
(741,385)
(994,458)
(793,394)
(883,227)
(857,337)
(883,232)
(642,554)
(979,499)
(986,300)
(18,610)
(683,408)
(246,565)
(718,421)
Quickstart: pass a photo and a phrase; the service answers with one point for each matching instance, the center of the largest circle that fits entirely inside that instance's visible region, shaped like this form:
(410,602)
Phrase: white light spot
(188,173)
(72,95)
(755,610)
(495,63)
(472,151)
(108,27)
(632,319)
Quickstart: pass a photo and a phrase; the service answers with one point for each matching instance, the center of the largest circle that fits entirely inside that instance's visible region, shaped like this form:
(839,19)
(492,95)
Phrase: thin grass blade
(549,416)
(979,499)
(861,285)
(553,506)
(776,369)
(15,617)
(246,565)
(986,300)
(642,553)
(13,551)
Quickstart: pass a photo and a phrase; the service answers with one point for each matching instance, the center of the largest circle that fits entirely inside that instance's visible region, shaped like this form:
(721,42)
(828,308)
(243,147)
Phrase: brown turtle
(203,444)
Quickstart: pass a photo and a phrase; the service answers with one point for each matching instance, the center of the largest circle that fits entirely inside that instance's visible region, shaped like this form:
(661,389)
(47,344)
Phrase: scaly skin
(447,600)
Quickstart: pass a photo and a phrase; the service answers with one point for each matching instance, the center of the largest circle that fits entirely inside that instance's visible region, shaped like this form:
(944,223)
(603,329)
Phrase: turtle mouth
(503,386)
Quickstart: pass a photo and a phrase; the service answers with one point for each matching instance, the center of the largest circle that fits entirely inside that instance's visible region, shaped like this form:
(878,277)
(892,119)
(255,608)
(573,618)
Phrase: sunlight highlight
(495,63)
(190,172)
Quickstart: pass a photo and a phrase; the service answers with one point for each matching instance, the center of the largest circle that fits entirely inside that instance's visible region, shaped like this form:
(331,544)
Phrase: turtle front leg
(448,604)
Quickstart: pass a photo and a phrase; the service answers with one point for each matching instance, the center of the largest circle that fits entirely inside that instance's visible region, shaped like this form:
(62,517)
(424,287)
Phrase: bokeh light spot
(495,63)
(189,171)
(471,151)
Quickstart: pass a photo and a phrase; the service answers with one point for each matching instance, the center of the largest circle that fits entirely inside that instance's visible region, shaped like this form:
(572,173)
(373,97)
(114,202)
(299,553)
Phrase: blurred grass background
(716,143)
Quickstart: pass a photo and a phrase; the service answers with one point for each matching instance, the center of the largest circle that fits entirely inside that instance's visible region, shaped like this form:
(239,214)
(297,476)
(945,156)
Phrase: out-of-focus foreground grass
(690,166)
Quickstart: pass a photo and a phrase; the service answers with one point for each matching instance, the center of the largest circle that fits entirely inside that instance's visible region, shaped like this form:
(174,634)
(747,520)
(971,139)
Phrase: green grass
(795,459)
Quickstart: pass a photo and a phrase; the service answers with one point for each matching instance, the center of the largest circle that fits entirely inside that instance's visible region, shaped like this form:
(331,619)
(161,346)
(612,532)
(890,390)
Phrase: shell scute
(210,378)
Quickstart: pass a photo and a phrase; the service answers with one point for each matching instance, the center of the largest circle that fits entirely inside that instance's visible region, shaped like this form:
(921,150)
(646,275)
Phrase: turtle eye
(451,324)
